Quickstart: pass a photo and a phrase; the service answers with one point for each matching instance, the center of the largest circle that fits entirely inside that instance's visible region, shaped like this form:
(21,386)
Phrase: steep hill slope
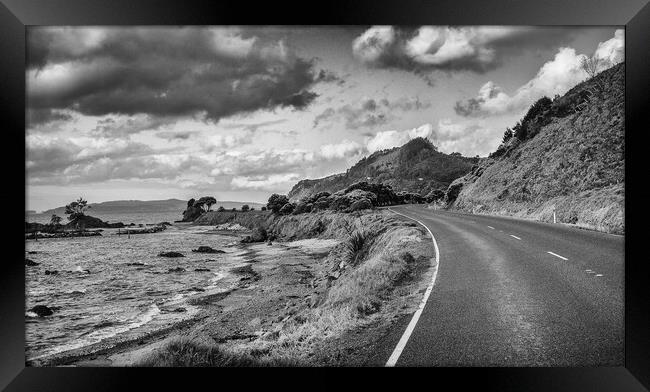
(416,167)
(570,161)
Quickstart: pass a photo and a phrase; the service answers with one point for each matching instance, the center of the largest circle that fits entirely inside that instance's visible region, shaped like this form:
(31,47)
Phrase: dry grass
(365,287)
(184,352)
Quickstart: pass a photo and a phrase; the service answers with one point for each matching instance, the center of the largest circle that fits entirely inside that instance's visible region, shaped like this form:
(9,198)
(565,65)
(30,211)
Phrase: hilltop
(416,167)
(569,159)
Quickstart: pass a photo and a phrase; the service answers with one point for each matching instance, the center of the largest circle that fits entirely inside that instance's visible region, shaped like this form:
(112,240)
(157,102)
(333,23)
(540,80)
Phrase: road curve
(512,292)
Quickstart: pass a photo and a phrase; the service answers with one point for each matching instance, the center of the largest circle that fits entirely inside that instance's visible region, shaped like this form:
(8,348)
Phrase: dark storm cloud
(216,72)
(370,112)
(452,49)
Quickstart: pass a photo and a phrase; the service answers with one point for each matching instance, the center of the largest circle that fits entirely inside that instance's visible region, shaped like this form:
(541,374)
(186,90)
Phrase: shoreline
(272,289)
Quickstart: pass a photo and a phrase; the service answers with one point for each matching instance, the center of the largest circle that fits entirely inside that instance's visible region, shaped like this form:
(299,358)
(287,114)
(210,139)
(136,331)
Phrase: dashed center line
(514,236)
(557,255)
(599,274)
(491,227)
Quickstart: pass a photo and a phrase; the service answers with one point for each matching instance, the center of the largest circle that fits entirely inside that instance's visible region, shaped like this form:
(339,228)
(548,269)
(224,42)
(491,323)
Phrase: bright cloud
(554,77)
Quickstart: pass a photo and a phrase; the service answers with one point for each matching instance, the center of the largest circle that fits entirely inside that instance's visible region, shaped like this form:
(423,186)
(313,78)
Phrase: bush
(302,208)
(287,209)
(276,202)
(245,208)
(221,209)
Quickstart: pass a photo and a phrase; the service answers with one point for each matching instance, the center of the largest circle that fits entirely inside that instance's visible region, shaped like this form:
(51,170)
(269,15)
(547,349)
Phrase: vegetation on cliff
(565,158)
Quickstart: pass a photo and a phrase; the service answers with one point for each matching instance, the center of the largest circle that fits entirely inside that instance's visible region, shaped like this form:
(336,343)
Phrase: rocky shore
(296,300)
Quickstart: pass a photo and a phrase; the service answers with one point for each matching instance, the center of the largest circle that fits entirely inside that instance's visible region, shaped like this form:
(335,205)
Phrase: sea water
(100,293)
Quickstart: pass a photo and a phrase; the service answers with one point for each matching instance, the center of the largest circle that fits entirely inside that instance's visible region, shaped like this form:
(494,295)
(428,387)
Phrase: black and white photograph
(325,196)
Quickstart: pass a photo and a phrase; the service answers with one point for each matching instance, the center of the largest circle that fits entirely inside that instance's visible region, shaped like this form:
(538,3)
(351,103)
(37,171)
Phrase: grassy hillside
(570,161)
(415,167)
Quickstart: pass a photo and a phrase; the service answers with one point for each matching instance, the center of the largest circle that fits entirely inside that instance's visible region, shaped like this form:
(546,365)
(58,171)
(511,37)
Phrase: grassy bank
(369,277)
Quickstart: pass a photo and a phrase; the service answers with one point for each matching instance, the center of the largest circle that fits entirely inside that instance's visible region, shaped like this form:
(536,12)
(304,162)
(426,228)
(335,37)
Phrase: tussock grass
(365,287)
(185,352)
(355,245)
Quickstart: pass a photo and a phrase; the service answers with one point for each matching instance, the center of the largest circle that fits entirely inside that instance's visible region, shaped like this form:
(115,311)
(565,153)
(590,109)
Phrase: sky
(238,113)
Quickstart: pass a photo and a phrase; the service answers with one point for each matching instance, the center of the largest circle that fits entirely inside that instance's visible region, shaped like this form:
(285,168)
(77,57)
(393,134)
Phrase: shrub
(263,208)
(276,202)
(302,208)
(287,209)
(221,209)
(245,208)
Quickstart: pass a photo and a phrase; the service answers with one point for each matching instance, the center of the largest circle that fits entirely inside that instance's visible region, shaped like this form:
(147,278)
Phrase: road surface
(511,292)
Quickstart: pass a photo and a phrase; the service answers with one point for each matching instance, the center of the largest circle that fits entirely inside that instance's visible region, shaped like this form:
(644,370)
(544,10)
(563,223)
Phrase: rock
(136,264)
(54,272)
(207,249)
(32,252)
(30,263)
(202,269)
(170,254)
(179,310)
(164,224)
(177,269)
(259,234)
(42,310)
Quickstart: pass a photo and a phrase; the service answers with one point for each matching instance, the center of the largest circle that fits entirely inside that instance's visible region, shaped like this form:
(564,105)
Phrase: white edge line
(514,236)
(416,316)
(557,255)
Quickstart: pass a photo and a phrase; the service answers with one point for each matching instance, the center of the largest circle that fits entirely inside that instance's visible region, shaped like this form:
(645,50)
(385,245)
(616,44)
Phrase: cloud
(476,49)
(126,125)
(554,77)
(271,182)
(341,150)
(466,138)
(40,120)
(176,135)
(171,71)
(81,160)
(389,139)
(369,112)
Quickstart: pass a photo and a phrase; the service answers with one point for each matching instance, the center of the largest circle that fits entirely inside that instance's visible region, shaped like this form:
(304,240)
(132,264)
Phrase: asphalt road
(501,299)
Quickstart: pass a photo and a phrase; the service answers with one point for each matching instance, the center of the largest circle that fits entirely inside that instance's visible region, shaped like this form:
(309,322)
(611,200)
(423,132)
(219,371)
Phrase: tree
(190,202)
(221,209)
(76,209)
(507,135)
(55,220)
(592,66)
(276,202)
(263,208)
(245,208)
(206,203)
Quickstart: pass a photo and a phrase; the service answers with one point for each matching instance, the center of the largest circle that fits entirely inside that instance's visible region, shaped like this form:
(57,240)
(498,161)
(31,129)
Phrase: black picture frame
(633,14)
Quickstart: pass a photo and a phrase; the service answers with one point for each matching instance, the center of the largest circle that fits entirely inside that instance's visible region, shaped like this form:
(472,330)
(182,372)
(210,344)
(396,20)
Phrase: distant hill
(146,206)
(417,167)
(570,160)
